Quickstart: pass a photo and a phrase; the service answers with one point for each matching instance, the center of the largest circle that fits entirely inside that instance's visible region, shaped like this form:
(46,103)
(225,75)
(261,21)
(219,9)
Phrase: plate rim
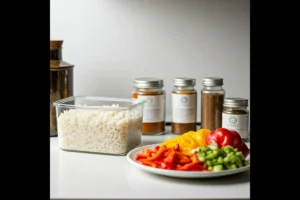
(178,173)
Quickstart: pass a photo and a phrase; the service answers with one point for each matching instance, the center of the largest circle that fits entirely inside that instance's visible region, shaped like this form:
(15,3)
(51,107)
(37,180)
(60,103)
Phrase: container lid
(184,81)
(212,81)
(148,83)
(56,43)
(235,102)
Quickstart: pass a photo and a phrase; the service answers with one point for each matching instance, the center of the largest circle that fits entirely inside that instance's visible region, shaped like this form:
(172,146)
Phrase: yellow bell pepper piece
(199,136)
(171,142)
(188,140)
(187,143)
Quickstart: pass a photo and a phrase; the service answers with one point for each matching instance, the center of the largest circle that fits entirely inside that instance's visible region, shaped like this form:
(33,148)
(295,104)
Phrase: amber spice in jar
(236,116)
(212,99)
(151,90)
(184,106)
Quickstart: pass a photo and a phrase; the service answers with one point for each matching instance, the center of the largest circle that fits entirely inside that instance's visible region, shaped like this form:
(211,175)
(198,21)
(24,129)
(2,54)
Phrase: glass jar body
(237,118)
(212,99)
(154,112)
(184,110)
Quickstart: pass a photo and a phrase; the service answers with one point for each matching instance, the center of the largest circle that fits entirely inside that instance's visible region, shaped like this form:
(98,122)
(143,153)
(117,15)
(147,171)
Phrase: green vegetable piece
(226,160)
(201,159)
(201,154)
(217,168)
(217,152)
(228,149)
(213,146)
(240,155)
(233,166)
(223,153)
(220,160)
(235,150)
(208,152)
(238,162)
(210,168)
(245,162)
(208,162)
(230,154)
(214,162)
(227,166)
(211,156)
(205,149)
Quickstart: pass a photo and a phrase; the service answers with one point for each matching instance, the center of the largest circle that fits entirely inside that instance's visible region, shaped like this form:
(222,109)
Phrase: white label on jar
(184,108)
(239,123)
(154,110)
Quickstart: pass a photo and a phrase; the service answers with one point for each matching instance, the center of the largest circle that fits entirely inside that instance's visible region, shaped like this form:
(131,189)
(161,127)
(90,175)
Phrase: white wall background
(111,42)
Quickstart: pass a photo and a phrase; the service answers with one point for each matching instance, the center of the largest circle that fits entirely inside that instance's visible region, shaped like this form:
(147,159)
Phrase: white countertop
(81,175)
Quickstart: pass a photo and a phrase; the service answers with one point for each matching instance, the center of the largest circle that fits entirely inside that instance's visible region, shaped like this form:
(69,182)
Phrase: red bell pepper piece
(181,155)
(188,166)
(171,156)
(156,148)
(237,141)
(147,162)
(195,158)
(245,150)
(159,153)
(220,136)
(140,156)
(167,153)
(184,161)
(176,148)
(145,153)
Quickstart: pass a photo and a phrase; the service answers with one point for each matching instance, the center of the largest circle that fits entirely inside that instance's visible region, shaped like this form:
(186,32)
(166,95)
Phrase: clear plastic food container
(99,124)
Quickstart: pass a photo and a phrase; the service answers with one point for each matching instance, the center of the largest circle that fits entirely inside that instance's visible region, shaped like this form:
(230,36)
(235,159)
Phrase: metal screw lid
(235,102)
(212,81)
(184,82)
(148,83)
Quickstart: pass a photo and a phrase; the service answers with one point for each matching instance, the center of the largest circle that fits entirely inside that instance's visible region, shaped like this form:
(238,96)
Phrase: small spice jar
(236,116)
(212,99)
(154,113)
(184,105)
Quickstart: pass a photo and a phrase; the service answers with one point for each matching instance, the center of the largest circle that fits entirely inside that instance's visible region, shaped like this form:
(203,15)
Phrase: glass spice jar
(154,113)
(212,99)
(61,80)
(184,106)
(236,116)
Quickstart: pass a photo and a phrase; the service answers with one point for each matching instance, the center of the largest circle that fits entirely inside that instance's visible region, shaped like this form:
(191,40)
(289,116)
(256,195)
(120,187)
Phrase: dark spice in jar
(212,107)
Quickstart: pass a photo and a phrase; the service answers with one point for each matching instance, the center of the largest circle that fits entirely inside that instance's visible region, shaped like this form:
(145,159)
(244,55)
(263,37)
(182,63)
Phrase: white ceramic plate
(180,174)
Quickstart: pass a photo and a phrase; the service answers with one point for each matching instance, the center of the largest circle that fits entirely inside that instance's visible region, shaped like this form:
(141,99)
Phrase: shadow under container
(99,124)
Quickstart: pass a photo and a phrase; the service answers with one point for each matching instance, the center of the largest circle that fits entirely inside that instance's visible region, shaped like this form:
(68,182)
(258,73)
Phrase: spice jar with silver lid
(212,99)
(236,116)
(154,113)
(184,105)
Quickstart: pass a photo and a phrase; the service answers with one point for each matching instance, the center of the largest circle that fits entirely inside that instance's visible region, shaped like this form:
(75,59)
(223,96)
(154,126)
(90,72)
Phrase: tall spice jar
(184,105)
(154,113)
(236,116)
(212,99)
(61,80)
